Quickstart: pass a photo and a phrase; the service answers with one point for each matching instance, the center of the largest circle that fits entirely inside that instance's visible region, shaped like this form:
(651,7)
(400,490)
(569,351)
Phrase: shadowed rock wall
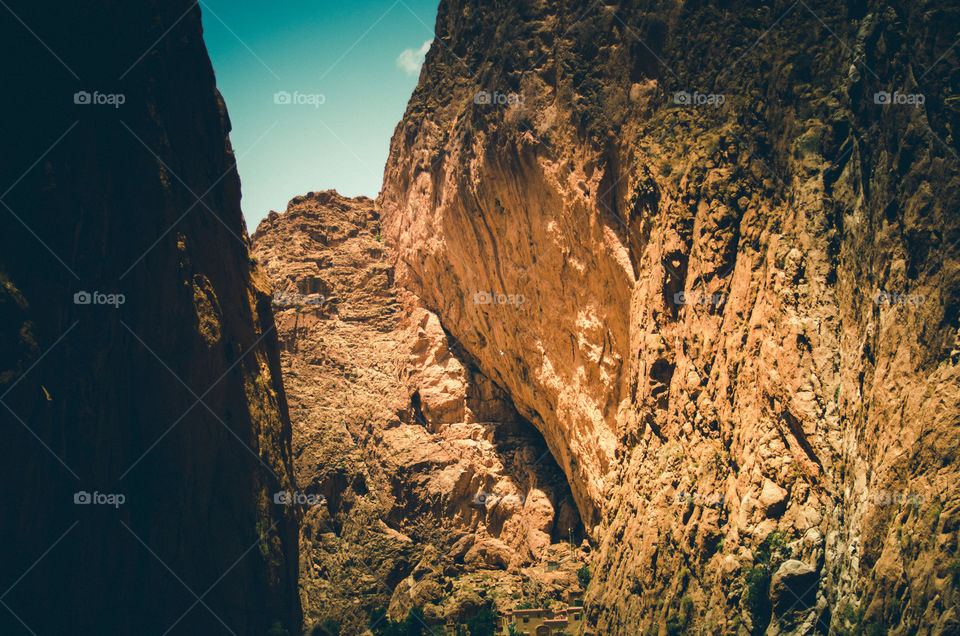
(172,399)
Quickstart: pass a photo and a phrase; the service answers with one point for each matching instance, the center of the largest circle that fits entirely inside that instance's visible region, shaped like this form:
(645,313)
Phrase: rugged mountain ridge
(144,419)
(740,269)
(431,491)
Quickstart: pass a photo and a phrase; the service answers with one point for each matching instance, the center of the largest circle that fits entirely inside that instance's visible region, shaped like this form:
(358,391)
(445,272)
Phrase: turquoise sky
(351,65)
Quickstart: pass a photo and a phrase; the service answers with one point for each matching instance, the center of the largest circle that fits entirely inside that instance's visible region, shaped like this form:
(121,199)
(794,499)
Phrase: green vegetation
(412,625)
(767,558)
(875,629)
(583,575)
(757,597)
(483,623)
(678,623)
(933,514)
(773,550)
(686,606)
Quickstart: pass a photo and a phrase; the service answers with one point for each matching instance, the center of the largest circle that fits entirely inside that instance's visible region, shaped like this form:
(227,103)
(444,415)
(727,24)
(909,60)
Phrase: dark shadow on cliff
(144,420)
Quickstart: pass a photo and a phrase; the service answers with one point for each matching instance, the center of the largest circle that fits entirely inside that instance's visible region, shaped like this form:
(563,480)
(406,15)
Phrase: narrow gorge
(653,328)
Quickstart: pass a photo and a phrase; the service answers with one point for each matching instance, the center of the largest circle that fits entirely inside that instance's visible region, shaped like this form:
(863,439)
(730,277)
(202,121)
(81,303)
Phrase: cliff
(145,423)
(734,231)
(430,490)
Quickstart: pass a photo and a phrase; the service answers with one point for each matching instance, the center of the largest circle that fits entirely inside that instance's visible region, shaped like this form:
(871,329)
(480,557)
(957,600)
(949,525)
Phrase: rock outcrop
(144,419)
(734,232)
(431,491)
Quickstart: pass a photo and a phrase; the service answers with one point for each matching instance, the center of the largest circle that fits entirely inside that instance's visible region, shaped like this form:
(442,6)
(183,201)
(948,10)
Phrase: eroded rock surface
(740,321)
(438,494)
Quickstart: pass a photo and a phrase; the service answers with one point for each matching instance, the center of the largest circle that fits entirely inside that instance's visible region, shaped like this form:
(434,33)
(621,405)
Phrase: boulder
(794,586)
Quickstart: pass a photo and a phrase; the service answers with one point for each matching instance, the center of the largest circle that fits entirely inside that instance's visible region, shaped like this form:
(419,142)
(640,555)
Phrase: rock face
(144,420)
(736,250)
(431,489)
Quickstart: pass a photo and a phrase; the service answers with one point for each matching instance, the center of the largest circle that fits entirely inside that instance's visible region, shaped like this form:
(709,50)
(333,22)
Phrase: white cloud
(411,61)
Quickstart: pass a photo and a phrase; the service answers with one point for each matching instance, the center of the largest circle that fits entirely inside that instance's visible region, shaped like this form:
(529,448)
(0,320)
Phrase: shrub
(412,625)
(758,593)
(583,575)
(483,623)
(674,628)
(773,549)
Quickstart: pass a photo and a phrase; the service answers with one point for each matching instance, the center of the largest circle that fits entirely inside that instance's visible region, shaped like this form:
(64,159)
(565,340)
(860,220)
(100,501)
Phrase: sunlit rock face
(737,264)
(139,357)
(436,493)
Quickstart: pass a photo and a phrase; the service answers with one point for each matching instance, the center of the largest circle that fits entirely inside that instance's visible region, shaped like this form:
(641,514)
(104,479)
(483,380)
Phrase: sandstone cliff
(430,490)
(734,229)
(169,396)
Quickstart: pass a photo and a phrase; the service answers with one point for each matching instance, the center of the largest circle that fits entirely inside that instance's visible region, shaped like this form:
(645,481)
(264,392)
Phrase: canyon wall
(733,229)
(428,489)
(144,420)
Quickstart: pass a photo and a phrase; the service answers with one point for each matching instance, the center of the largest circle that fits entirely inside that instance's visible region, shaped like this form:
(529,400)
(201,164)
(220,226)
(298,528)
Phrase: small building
(542,622)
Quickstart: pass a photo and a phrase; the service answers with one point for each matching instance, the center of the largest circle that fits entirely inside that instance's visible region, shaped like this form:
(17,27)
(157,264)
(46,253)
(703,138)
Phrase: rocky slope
(430,489)
(145,428)
(738,250)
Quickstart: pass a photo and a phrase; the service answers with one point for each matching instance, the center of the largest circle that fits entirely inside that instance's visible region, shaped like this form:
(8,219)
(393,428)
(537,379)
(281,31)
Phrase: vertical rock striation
(734,229)
(118,178)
